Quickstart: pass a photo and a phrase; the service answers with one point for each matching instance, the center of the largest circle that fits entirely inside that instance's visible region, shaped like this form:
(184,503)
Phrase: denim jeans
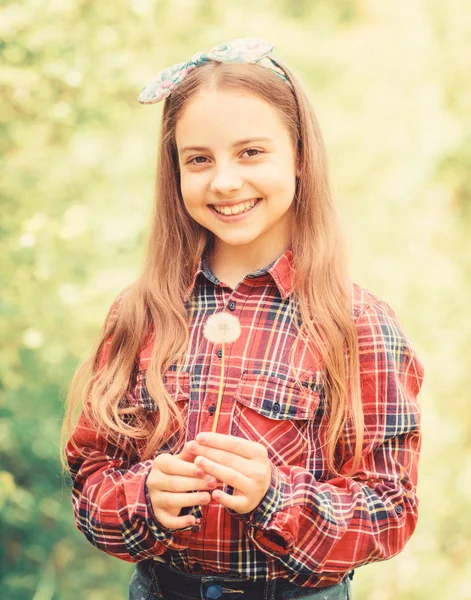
(153,580)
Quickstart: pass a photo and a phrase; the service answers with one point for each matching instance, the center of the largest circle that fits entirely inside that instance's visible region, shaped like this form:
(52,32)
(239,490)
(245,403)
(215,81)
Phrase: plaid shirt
(311,528)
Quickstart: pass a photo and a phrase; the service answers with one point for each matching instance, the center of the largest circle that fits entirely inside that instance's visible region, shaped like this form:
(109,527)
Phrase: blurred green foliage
(390,85)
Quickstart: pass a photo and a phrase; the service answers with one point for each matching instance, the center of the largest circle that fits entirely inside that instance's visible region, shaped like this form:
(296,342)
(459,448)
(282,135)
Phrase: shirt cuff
(174,539)
(265,528)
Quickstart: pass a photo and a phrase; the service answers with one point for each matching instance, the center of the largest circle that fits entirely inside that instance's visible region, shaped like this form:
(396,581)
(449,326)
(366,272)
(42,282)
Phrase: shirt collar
(281,270)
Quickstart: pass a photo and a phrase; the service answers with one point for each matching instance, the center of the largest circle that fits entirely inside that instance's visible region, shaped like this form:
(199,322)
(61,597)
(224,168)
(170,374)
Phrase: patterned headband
(249,50)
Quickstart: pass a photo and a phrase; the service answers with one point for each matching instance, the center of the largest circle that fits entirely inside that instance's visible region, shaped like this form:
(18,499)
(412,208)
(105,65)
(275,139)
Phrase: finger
(172,522)
(173,465)
(185,484)
(231,443)
(169,500)
(237,503)
(225,474)
(186,454)
(223,457)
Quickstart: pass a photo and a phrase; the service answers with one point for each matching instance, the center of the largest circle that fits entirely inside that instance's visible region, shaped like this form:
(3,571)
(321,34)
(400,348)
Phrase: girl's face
(233,149)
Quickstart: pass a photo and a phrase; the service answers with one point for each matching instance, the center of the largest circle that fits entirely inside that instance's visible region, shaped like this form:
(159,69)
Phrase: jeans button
(213,592)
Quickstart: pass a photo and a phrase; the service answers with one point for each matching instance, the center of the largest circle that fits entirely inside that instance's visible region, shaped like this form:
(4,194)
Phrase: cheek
(280,169)
(190,189)
(278,180)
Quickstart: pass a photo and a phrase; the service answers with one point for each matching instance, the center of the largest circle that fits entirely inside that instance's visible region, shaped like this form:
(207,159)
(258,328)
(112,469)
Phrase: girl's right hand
(171,484)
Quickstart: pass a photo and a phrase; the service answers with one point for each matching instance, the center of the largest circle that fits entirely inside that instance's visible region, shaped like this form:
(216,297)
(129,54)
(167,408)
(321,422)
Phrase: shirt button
(398,509)
(276,407)
(213,592)
(219,353)
(197,568)
(232,305)
(258,515)
(212,409)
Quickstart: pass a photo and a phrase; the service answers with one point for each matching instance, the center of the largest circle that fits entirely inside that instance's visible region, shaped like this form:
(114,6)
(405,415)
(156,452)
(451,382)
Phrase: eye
(195,160)
(252,152)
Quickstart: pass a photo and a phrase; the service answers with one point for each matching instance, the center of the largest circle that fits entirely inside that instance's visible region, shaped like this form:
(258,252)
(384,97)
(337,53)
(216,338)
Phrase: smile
(239,210)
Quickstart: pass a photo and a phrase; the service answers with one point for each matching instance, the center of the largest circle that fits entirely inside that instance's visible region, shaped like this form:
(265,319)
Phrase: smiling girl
(312,469)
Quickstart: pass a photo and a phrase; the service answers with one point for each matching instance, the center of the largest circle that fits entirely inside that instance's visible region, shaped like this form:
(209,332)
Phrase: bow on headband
(250,50)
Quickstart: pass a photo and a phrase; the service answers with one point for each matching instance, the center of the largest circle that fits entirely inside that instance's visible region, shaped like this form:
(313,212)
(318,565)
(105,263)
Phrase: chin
(238,241)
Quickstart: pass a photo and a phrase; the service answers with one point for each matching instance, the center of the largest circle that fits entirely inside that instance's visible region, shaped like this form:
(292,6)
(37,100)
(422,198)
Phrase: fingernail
(192,446)
(202,438)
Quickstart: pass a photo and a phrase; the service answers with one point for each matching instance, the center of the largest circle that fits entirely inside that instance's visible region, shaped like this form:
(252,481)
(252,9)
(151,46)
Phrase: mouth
(235,217)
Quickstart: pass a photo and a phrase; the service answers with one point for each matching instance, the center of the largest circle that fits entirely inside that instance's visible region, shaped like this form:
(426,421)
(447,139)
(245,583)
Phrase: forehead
(228,115)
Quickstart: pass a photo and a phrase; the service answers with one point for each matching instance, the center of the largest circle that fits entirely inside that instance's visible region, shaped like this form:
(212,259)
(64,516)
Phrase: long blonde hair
(154,305)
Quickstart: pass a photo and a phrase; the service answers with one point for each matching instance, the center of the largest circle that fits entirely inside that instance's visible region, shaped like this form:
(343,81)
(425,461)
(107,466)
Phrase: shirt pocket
(177,384)
(277,412)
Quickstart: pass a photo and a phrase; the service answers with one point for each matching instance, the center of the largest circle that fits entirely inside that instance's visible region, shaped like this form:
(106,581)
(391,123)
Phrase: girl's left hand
(242,464)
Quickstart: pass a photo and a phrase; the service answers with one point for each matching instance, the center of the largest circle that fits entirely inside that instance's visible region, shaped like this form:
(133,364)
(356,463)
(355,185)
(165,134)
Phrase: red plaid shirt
(311,528)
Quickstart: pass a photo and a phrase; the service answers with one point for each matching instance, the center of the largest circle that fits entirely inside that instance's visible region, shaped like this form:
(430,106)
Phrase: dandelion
(221,328)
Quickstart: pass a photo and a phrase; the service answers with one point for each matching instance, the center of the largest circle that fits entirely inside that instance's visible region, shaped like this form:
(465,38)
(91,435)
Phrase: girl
(273,458)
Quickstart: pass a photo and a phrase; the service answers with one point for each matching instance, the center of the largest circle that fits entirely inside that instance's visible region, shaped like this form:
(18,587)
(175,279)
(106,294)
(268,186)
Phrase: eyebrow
(234,145)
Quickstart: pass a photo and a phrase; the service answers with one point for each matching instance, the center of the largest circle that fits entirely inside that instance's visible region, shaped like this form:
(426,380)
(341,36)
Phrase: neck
(231,264)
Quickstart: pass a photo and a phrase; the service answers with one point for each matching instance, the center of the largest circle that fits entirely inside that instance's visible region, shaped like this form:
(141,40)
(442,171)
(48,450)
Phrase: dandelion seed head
(222,328)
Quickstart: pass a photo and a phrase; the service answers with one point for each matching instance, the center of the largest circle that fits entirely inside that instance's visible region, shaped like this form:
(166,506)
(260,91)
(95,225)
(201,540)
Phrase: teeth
(235,210)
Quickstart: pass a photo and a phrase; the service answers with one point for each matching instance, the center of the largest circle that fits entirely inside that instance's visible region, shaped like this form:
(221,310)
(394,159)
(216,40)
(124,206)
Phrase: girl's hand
(171,484)
(242,464)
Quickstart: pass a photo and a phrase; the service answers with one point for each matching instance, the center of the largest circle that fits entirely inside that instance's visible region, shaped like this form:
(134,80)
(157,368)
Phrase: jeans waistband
(167,580)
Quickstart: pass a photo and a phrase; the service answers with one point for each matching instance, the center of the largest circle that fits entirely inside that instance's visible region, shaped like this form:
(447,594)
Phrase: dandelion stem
(221,385)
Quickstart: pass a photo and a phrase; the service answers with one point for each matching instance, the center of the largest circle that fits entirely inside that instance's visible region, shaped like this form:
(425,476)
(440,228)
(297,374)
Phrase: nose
(227,178)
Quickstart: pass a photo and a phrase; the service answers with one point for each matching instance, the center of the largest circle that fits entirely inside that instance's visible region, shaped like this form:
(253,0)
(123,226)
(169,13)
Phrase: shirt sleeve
(110,500)
(348,521)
